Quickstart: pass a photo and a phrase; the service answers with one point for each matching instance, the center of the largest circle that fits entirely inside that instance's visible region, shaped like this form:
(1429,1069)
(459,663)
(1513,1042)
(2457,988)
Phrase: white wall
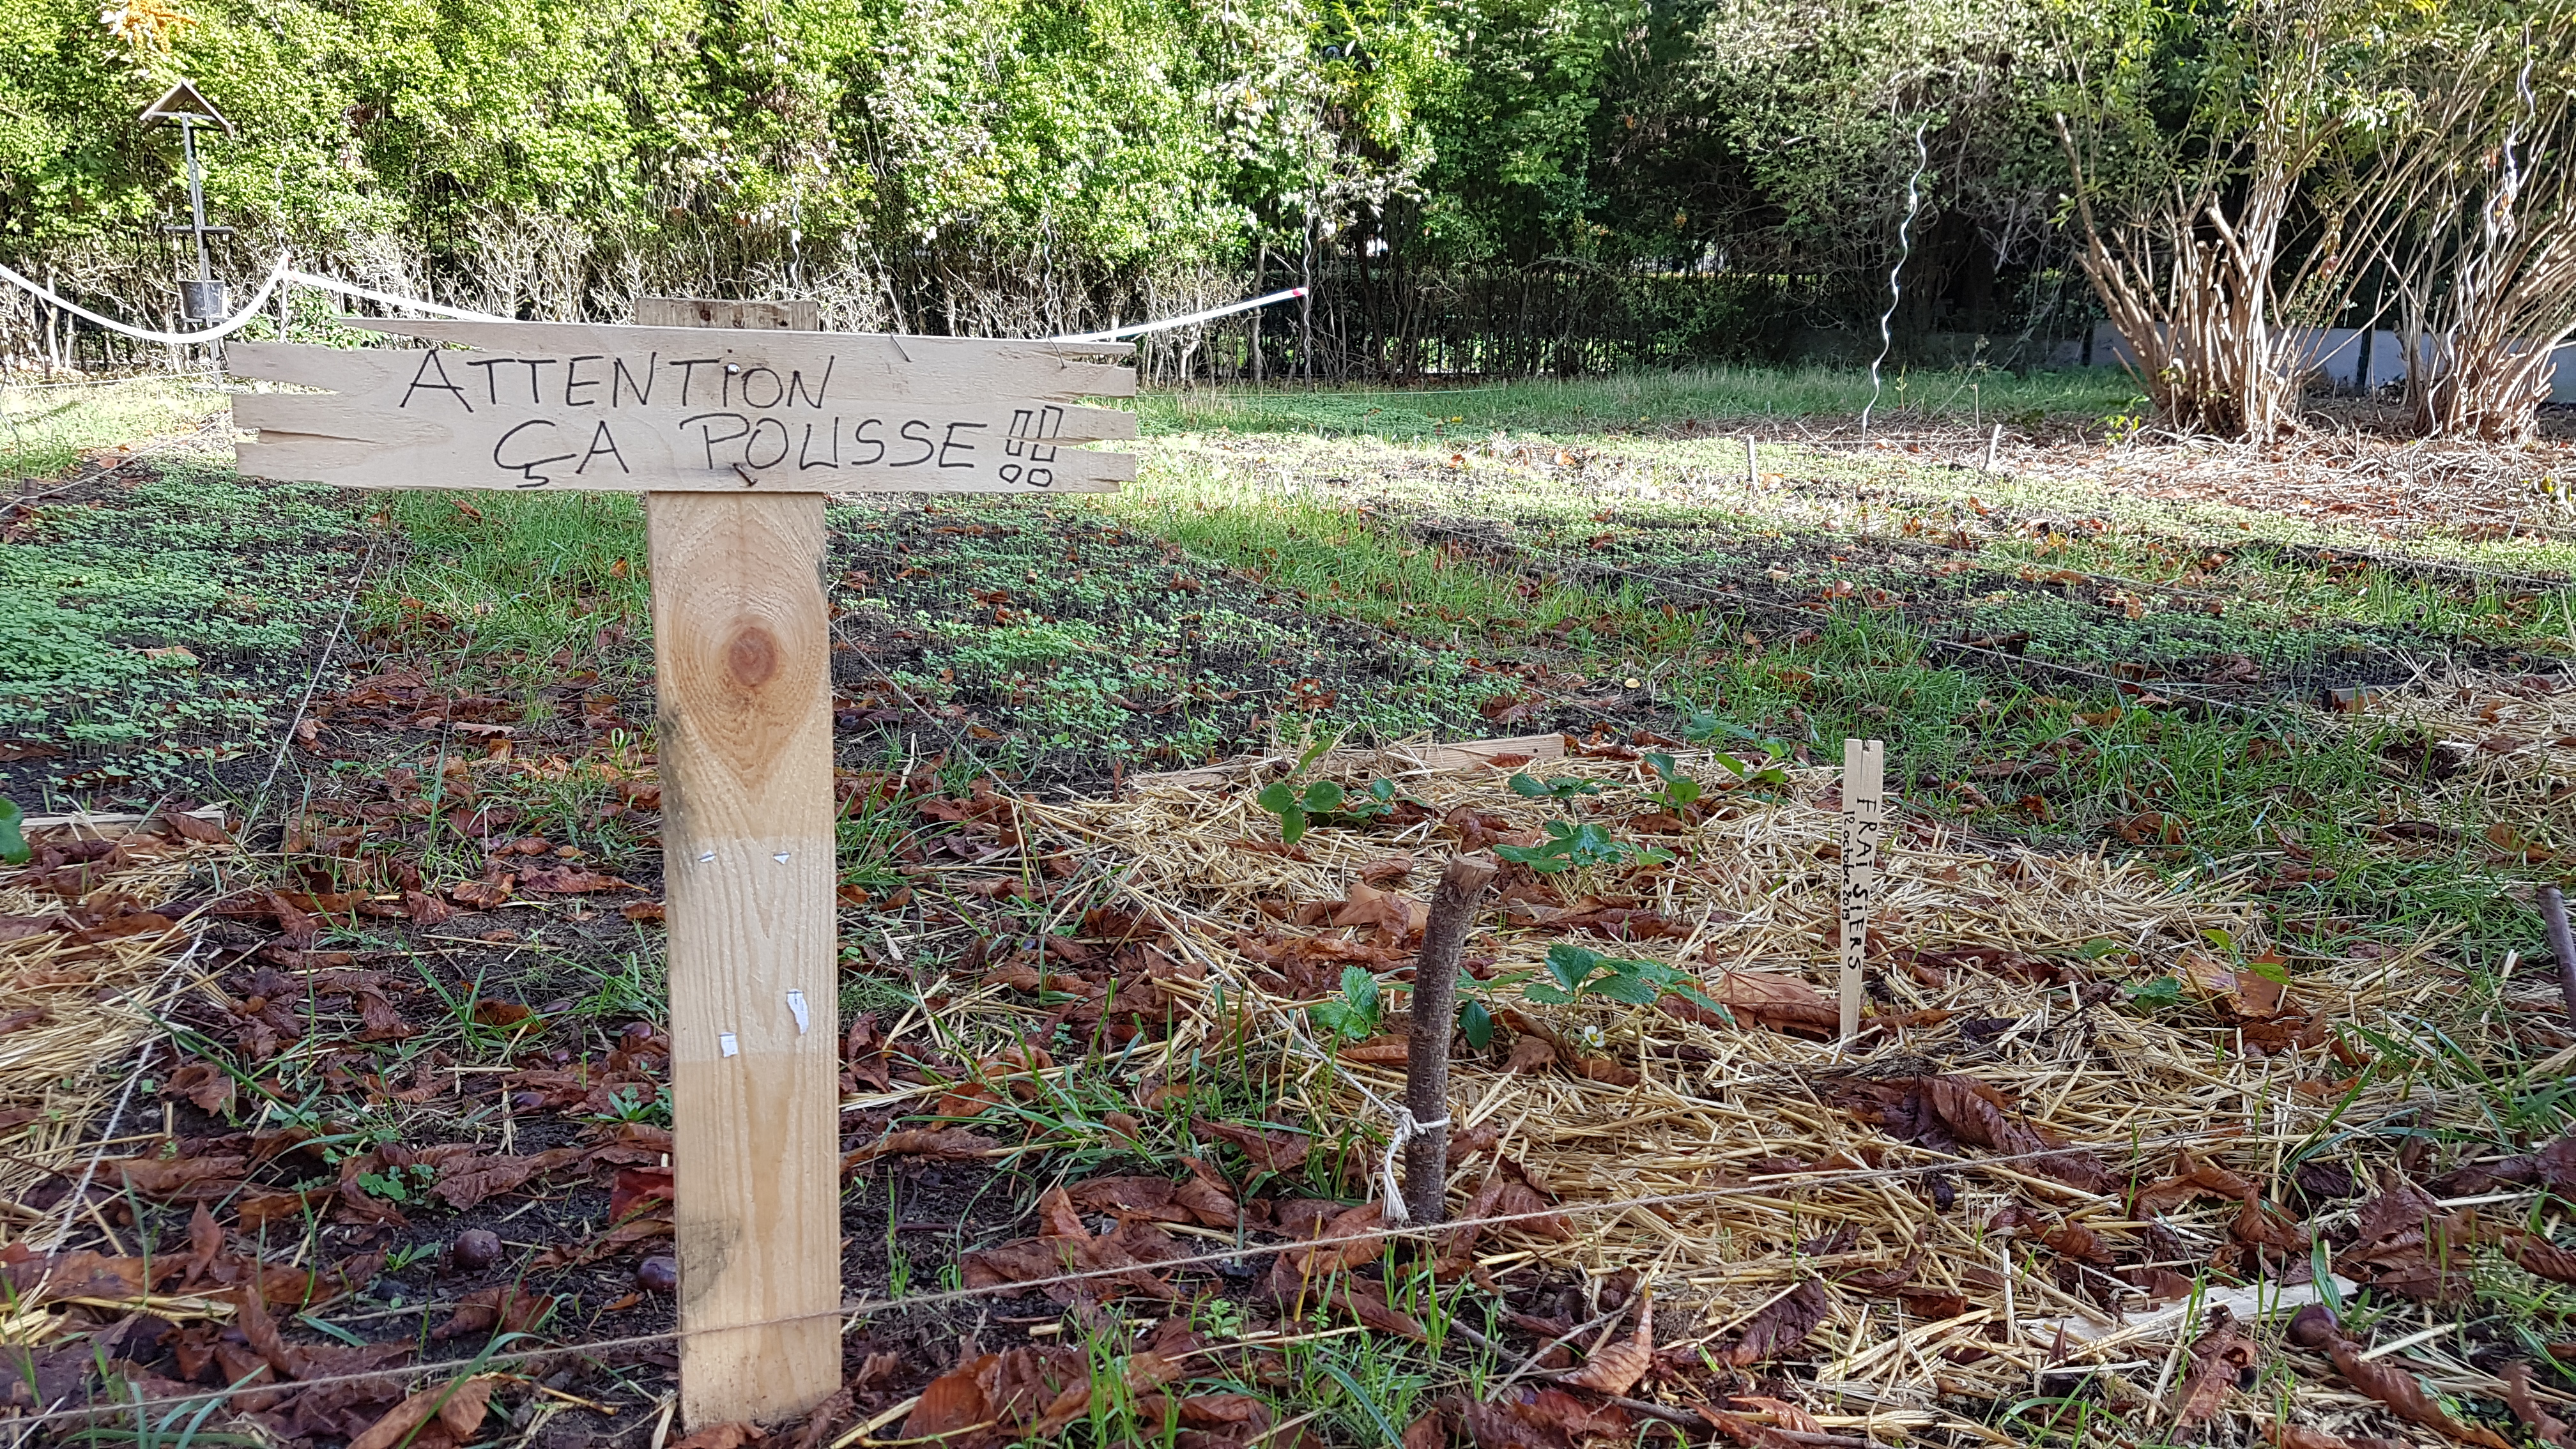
(2336,352)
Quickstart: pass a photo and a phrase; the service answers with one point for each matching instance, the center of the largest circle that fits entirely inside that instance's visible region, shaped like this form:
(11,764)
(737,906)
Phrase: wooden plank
(1864,824)
(910,369)
(741,650)
(798,314)
(550,405)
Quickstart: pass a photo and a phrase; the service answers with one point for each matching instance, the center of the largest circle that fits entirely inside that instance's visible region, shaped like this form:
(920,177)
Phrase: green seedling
(2156,995)
(1676,791)
(1354,1015)
(1580,973)
(1564,787)
(406,1184)
(13,841)
(1570,846)
(1768,772)
(1300,809)
(1296,808)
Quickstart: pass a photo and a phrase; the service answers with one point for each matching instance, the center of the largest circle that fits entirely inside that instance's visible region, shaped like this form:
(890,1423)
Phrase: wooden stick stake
(2553,915)
(1994,440)
(1426,1046)
(1864,820)
(1752,472)
(741,649)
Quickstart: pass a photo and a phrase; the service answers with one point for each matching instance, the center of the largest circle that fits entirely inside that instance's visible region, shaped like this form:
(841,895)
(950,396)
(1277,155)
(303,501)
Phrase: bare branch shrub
(2218,247)
(2487,285)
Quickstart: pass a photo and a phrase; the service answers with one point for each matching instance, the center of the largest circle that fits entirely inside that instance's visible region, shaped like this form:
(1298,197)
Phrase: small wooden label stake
(1864,822)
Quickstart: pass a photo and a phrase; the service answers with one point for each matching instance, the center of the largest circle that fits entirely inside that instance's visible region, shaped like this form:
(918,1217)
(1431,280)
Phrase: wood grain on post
(741,650)
(1435,1004)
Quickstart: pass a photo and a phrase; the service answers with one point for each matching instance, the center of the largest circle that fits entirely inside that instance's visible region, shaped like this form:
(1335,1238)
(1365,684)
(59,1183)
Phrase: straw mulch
(84,958)
(2504,741)
(1998,977)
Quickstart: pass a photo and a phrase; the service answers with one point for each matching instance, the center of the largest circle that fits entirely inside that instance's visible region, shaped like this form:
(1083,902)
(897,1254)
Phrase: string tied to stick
(1391,1187)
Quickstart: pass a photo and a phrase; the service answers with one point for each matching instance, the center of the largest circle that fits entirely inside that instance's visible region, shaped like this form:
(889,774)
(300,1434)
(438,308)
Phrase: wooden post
(1752,473)
(1426,1045)
(1864,819)
(742,662)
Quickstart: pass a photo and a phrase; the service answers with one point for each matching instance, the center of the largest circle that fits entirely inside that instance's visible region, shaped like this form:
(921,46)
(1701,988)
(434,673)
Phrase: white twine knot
(1389,1185)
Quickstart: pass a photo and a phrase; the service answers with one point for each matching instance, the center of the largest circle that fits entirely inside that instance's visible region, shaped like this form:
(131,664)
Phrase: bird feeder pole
(201,297)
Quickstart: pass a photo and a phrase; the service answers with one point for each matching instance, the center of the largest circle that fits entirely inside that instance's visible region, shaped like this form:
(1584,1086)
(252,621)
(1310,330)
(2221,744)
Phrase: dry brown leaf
(2300,1436)
(1271,1149)
(1379,1051)
(1746,1432)
(1615,1368)
(2394,1385)
(2196,1180)
(946,1144)
(1527,1418)
(1789,1416)
(1781,1002)
(1530,1054)
(504,1307)
(446,1415)
(2219,1359)
(730,1435)
(2545,1426)
(1779,1327)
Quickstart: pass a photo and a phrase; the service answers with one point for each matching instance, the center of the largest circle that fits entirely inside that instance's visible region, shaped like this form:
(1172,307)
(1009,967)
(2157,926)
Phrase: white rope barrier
(283,273)
(1213,313)
(238,321)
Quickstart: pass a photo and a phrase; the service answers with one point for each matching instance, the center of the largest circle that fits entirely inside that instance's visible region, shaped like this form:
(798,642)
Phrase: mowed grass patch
(45,431)
(514,590)
(1645,402)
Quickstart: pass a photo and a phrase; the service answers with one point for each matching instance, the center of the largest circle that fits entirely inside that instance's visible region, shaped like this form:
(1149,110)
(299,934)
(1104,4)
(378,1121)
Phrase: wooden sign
(537,405)
(741,653)
(1864,825)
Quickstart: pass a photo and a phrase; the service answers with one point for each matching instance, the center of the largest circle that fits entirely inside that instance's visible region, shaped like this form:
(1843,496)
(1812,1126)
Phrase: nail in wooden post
(1864,819)
(742,655)
(1426,1045)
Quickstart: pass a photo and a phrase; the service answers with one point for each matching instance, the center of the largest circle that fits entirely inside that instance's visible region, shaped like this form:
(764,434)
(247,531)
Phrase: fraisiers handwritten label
(533,405)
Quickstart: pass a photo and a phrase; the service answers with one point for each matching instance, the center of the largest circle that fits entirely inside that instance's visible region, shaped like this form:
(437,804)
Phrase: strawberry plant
(1676,791)
(1564,787)
(13,841)
(1573,846)
(1355,1014)
(1580,973)
(1298,809)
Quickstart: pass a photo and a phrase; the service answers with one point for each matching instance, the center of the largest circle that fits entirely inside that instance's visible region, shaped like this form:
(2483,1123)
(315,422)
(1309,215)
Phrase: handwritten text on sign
(623,408)
(1864,825)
